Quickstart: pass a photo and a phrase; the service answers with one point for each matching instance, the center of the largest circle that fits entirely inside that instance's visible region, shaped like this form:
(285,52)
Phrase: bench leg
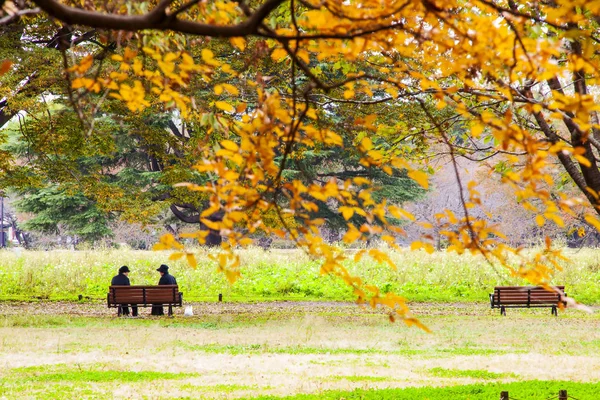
(503,311)
(119,311)
(170,311)
(554,311)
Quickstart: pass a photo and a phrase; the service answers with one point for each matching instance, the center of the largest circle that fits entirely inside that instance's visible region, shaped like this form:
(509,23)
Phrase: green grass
(89,374)
(276,275)
(257,348)
(265,349)
(527,390)
(45,321)
(358,378)
(468,373)
(220,388)
(60,381)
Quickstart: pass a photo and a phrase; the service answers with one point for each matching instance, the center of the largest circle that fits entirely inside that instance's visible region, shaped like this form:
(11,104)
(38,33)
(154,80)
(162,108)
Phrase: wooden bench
(525,297)
(144,296)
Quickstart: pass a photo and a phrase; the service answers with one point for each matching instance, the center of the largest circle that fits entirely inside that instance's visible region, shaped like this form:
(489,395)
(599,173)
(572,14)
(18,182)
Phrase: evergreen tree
(55,211)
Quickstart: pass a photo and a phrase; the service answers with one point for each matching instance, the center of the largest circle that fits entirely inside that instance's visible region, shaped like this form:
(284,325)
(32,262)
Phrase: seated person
(123,280)
(165,279)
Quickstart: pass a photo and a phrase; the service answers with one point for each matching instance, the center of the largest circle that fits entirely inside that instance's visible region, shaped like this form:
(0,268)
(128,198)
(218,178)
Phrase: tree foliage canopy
(272,83)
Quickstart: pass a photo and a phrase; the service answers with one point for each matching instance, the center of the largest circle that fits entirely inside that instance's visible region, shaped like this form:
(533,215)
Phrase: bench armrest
(492,300)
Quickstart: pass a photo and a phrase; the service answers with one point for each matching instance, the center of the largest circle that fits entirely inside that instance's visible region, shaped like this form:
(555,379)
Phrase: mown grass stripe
(526,390)
(263,348)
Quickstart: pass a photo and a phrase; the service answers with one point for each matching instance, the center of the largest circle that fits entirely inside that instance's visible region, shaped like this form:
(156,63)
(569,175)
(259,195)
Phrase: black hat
(123,269)
(163,268)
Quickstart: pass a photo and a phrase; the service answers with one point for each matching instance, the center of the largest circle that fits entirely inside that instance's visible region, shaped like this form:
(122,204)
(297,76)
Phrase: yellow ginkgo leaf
(224,106)
(278,55)
(388,238)
(245,242)
(229,145)
(420,177)
(304,56)
(592,220)
(416,245)
(209,57)
(191,259)
(477,129)
(540,220)
(211,224)
(311,113)
(238,43)
(347,212)
(351,236)
(366,144)
(231,89)
(415,322)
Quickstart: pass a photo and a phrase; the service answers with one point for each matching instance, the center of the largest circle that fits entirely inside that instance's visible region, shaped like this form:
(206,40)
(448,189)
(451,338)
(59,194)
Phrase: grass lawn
(277,275)
(55,347)
(528,390)
(324,350)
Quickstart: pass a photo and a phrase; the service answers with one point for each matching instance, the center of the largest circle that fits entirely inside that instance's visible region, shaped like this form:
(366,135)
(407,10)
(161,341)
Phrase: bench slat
(160,299)
(522,288)
(527,297)
(529,302)
(503,293)
(556,297)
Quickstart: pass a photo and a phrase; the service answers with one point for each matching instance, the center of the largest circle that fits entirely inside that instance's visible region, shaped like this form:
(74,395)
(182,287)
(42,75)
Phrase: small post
(504,396)
(220,297)
(562,395)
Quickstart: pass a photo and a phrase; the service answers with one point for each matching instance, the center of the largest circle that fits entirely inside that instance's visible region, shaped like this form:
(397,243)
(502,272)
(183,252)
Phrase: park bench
(144,296)
(525,297)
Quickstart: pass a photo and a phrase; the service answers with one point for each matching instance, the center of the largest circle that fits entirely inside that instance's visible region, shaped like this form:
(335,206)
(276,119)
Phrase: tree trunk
(214,237)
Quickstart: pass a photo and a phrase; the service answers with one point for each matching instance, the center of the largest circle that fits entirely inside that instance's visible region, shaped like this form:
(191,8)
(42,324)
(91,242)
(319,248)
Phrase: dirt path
(97,309)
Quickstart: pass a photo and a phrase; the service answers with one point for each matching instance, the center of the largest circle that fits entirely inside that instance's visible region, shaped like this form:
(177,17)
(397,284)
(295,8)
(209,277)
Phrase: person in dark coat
(165,279)
(123,280)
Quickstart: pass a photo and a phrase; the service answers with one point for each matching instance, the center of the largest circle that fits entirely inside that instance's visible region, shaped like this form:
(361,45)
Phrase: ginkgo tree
(150,149)
(517,76)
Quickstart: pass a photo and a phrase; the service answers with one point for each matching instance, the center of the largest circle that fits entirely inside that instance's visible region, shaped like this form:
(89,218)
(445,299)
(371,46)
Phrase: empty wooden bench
(144,296)
(525,297)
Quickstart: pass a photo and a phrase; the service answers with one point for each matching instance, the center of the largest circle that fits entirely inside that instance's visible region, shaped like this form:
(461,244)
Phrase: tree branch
(175,129)
(13,17)
(591,173)
(156,19)
(190,219)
